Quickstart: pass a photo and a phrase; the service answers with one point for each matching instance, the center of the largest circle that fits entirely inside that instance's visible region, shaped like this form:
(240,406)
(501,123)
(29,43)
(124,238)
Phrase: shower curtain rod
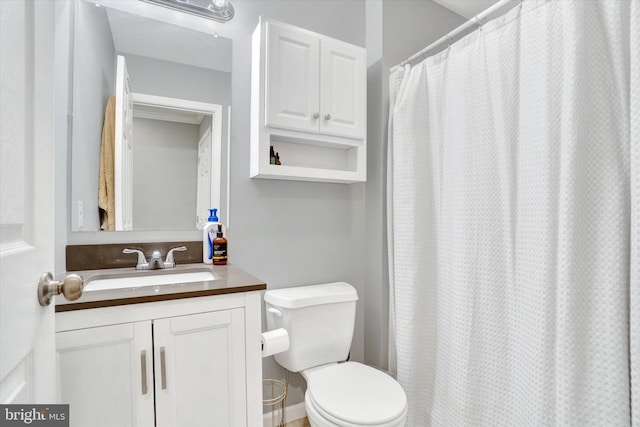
(476,20)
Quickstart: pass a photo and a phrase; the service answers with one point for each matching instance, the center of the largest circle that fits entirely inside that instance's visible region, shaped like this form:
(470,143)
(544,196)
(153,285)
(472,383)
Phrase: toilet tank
(319,320)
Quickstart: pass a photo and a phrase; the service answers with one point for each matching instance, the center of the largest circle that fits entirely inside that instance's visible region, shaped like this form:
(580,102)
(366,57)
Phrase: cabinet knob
(70,287)
(316,115)
(327,117)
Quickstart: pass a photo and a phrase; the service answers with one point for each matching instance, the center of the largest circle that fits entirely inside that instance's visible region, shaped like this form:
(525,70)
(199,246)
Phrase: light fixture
(218,10)
(219,3)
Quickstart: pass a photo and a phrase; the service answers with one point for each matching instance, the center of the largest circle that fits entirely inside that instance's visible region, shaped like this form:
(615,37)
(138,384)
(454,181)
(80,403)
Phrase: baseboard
(293,412)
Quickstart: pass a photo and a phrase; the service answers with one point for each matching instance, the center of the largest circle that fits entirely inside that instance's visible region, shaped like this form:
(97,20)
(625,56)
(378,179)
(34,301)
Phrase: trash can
(274,394)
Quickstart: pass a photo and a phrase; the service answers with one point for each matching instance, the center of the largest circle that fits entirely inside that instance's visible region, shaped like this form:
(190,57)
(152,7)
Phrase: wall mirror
(172,93)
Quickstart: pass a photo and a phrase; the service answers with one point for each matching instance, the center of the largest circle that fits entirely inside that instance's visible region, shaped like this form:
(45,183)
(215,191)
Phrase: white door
(292,79)
(106,375)
(27,355)
(123,156)
(200,370)
(343,95)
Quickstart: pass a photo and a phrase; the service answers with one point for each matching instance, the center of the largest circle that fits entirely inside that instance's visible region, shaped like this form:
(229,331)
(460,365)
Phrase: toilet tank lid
(305,296)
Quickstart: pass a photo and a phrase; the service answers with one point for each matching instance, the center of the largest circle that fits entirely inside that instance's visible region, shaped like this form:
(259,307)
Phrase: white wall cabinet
(309,103)
(163,363)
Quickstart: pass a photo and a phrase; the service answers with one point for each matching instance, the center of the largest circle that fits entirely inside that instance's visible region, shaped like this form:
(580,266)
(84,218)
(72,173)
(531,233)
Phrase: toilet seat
(354,395)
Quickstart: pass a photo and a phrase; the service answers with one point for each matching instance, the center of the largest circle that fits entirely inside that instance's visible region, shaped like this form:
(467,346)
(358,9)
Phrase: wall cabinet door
(342,89)
(200,369)
(314,84)
(292,78)
(105,375)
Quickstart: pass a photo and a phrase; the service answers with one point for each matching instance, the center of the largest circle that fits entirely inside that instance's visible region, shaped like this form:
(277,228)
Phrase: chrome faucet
(156,259)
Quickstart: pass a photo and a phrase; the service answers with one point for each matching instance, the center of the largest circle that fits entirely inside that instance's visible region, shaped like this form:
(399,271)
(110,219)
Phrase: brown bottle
(219,248)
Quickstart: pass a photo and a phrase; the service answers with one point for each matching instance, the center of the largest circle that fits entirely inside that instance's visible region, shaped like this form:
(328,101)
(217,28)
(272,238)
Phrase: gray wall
(165,155)
(411,25)
(396,29)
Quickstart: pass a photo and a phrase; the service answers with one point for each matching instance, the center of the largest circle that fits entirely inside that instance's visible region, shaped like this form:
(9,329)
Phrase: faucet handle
(170,263)
(142,261)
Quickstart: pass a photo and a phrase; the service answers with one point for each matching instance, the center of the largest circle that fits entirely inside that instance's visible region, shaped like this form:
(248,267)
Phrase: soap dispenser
(207,241)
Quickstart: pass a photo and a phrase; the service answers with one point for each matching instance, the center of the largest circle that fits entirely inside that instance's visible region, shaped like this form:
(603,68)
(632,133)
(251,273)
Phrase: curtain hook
(478,23)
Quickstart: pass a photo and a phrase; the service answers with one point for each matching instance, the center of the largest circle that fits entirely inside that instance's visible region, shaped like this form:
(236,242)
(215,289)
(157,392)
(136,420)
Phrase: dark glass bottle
(219,248)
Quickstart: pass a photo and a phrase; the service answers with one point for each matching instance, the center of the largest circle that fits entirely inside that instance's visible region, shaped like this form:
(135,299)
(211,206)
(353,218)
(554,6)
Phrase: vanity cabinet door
(200,377)
(105,375)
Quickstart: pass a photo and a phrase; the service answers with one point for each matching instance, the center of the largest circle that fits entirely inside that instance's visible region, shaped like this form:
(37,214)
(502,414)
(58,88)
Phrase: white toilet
(320,320)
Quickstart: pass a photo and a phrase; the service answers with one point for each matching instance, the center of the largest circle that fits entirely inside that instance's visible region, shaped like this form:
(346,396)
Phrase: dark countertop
(231,279)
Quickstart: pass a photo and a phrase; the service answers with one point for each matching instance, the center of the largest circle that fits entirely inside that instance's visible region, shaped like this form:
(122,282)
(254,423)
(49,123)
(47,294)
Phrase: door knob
(70,287)
(327,117)
(316,115)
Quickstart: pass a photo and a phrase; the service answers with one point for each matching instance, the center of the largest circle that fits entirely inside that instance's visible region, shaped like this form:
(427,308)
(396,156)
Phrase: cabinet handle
(316,115)
(163,369)
(143,368)
(327,117)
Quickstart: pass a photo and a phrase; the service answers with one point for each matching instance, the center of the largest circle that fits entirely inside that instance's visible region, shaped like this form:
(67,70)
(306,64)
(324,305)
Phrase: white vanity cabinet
(185,362)
(308,101)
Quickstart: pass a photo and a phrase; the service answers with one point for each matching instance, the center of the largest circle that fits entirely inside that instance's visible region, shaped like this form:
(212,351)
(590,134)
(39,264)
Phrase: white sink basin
(107,282)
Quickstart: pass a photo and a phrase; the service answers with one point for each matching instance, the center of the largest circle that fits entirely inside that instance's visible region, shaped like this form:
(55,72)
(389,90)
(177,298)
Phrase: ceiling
(466,8)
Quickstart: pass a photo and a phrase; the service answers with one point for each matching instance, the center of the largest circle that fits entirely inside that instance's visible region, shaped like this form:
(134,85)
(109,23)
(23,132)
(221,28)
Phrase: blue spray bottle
(209,228)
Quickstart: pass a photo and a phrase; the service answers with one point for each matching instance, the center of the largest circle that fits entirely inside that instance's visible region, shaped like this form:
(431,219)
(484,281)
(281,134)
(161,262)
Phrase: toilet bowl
(320,320)
(354,395)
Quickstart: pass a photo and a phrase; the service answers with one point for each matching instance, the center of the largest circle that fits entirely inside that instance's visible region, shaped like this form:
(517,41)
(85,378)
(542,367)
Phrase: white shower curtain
(514,224)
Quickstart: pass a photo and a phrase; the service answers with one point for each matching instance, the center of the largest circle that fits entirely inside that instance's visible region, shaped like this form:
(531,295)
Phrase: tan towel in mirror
(106,200)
